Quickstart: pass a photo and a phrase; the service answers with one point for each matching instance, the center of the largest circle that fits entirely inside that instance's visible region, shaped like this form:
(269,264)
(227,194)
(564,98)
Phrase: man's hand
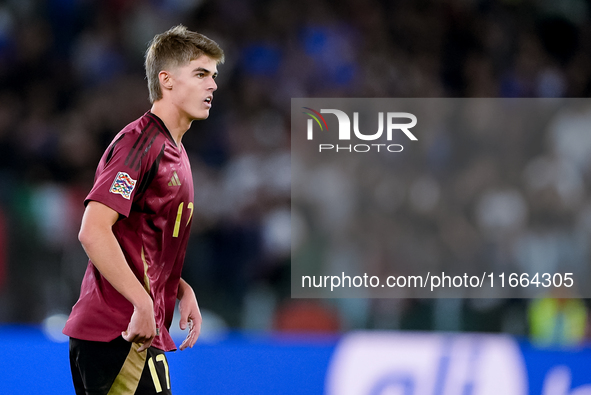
(190,314)
(141,328)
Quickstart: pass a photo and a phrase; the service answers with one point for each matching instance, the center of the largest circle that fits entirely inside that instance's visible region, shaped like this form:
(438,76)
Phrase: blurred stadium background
(71,77)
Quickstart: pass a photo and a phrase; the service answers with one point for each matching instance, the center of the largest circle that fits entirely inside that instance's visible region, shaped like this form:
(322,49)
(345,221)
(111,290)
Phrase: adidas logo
(174,180)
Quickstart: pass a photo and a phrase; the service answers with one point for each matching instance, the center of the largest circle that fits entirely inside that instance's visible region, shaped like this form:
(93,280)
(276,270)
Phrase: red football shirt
(146,178)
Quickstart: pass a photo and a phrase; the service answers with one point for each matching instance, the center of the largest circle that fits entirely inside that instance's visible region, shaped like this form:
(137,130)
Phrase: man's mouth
(208,99)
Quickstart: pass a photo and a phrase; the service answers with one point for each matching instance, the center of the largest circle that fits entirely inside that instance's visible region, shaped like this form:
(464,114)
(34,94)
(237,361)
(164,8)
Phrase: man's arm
(190,314)
(101,246)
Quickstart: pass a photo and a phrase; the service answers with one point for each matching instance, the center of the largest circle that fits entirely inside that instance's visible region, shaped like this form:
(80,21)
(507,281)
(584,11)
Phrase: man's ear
(165,79)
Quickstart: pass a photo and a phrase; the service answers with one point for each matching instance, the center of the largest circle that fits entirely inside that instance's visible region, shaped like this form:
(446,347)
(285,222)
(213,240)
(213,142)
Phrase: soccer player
(135,230)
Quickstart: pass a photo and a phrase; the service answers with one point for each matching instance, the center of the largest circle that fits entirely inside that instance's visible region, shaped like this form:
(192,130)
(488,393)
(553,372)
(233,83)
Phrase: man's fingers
(185,342)
(191,337)
(197,330)
(188,342)
(145,345)
(128,336)
(145,342)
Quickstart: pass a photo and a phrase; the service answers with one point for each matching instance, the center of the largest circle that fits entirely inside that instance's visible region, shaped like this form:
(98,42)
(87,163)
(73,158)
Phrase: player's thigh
(96,365)
(155,378)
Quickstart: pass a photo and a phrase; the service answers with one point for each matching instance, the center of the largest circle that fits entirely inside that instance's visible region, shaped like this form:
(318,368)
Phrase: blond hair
(173,48)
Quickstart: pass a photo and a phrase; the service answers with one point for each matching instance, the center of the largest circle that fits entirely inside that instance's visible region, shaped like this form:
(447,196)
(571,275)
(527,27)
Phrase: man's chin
(201,116)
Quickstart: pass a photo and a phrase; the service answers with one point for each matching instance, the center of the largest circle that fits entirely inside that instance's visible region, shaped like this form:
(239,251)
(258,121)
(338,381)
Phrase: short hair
(172,48)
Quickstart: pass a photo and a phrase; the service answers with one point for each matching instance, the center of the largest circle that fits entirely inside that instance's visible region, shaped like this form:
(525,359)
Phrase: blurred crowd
(71,77)
(491,186)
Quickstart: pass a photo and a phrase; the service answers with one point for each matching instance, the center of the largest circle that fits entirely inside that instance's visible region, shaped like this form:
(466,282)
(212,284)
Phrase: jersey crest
(123,185)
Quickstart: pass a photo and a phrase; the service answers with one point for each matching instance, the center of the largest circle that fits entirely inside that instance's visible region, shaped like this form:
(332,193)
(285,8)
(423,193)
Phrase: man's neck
(176,124)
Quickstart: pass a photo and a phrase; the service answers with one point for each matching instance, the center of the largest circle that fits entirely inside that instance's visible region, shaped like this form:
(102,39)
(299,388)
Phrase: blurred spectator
(557,321)
(306,316)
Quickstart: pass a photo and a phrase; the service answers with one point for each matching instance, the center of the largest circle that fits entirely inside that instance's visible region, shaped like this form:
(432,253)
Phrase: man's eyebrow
(204,70)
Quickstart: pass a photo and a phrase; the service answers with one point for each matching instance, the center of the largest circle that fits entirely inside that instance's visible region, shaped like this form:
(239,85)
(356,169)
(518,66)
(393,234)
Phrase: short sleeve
(121,170)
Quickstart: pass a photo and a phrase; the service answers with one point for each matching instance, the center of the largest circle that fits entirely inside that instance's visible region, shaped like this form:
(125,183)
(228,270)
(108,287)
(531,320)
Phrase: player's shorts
(116,368)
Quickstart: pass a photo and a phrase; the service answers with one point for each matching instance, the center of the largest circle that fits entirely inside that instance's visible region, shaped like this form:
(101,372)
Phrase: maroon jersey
(146,178)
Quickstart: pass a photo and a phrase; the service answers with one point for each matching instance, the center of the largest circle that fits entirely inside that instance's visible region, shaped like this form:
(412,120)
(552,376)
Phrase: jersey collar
(161,126)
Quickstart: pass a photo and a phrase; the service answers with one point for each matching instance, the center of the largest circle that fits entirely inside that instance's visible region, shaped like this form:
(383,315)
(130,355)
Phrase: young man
(136,227)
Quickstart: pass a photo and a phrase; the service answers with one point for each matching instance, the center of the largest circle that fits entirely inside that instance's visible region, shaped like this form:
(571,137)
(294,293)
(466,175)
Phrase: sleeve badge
(123,185)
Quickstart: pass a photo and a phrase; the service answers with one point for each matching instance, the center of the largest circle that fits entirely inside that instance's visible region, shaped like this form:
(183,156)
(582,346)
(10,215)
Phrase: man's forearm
(105,253)
(184,287)
(103,249)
